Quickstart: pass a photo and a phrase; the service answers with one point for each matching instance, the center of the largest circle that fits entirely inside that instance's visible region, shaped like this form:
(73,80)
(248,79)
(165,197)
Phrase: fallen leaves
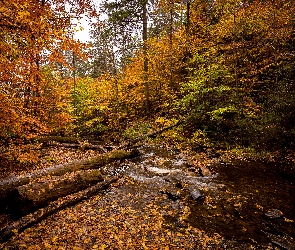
(134,214)
(117,219)
(13,163)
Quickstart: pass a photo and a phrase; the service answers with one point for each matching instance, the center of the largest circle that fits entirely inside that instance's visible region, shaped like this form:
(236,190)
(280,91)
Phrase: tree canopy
(226,67)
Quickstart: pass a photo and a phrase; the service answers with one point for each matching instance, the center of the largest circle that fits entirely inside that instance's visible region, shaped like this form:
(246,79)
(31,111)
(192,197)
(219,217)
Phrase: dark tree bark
(145,59)
(171,84)
(9,184)
(80,146)
(52,208)
(28,198)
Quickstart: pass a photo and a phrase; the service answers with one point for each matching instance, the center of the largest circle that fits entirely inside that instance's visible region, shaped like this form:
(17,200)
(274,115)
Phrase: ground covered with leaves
(121,218)
(132,213)
(21,159)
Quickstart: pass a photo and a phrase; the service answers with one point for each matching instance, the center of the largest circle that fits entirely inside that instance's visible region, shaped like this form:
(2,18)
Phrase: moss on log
(53,207)
(27,198)
(85,146)
(62,139)
(7,185)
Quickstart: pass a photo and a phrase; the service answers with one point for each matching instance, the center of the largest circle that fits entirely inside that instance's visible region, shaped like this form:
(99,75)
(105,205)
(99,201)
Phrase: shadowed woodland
(211,81)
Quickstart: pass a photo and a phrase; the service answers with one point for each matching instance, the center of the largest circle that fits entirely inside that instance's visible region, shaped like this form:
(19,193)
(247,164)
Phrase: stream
(164,201)
(245,202)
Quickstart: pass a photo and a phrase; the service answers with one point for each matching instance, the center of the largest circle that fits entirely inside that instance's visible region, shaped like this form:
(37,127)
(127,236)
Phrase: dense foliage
(225,67)
(33,38)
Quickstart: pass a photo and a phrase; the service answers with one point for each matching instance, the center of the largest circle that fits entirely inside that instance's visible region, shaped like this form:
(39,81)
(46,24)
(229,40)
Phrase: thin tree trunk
(116,92)
(236,50)
(145,59)
(188,6)
(186,58)
(171,46)
(74,79)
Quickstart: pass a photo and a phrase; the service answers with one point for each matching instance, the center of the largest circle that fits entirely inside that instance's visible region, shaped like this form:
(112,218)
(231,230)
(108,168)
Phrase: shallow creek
(245,202)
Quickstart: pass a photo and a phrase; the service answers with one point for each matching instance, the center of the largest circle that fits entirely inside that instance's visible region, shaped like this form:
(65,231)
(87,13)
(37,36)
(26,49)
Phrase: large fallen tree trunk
(9,184)
(80,146)
(47,140)
(27,198)
(52,208)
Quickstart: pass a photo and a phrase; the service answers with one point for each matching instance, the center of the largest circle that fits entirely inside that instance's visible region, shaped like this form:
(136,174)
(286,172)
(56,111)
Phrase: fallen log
(47,140)
(79,146)
(27,198)
(9,184)
(53,207)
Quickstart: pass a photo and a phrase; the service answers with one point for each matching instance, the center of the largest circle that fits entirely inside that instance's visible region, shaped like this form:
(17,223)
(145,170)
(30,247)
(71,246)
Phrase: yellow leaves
(4,11)
(33,33)
(23,14)
(34,248)
(179,234)
(87,240)
(54,239)
(47,245)
(259,207)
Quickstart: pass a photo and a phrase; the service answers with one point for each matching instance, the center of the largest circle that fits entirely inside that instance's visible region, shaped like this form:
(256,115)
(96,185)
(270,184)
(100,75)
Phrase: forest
(209,81)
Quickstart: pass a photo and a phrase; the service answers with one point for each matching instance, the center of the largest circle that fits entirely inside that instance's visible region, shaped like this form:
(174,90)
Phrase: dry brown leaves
(27,158)
(117,219)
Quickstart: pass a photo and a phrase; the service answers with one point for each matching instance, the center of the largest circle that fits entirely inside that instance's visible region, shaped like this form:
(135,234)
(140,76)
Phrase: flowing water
(244,201)
(249,204)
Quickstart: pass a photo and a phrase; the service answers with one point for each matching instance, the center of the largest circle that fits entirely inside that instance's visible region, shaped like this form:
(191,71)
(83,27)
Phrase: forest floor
(150,206)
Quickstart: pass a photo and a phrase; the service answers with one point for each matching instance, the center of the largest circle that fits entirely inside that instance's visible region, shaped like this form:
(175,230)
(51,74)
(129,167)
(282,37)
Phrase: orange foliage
(252,40)
(32,34)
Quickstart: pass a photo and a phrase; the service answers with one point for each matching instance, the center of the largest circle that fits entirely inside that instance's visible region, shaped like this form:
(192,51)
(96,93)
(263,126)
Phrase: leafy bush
(137,130)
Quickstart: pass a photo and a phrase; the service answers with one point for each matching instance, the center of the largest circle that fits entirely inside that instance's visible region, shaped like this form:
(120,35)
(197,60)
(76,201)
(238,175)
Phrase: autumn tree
(225,67)
(123,25)
(251,40)
(33,35)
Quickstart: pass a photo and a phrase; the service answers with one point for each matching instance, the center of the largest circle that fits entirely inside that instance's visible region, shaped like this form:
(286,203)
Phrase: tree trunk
(48,140)
(27,198)
(52,208)
(80,146)
(188,6)
(171,84)
(145,59)
(9,184)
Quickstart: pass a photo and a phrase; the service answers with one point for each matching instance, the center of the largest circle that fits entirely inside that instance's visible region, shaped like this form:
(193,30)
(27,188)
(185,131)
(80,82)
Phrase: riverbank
(152,206)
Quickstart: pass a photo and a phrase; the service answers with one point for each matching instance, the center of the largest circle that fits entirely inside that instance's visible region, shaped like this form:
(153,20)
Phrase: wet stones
(171,194)
(274,214)
(204,171)
(196,194)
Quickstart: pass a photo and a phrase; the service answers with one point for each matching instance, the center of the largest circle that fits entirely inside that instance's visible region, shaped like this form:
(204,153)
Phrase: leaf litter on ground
(116,219)
(126,216)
